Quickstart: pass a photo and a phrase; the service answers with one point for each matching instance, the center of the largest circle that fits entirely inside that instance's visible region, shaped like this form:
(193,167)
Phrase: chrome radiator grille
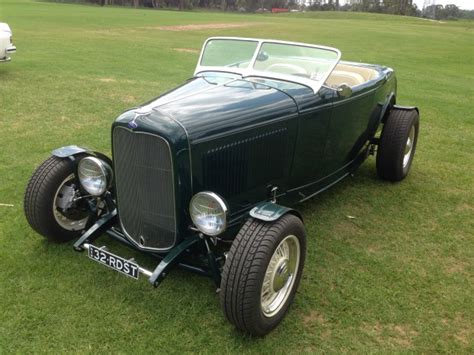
(145,188)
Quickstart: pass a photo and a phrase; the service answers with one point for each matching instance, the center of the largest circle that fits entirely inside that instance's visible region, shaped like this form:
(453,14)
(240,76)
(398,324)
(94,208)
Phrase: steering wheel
(286,69)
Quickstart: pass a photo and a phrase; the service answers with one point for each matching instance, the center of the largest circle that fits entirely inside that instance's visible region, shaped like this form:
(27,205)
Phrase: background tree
(396,7)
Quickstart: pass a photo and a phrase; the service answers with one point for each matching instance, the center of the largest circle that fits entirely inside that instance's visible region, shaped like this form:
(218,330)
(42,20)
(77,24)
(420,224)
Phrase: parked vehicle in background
(206,176)
(6,42)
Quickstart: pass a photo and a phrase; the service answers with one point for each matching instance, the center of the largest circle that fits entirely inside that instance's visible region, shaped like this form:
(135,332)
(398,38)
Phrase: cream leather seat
(338,77)
(351,75)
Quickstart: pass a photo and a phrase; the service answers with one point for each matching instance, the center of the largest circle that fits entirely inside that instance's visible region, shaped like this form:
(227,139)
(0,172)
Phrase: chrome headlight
(95,175)
(209,213)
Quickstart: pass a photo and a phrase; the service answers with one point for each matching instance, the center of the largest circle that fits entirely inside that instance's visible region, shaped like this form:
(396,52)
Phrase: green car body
(240,139)
(207,177)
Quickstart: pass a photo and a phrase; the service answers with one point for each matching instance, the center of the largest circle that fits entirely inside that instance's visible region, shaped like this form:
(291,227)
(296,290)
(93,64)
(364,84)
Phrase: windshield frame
(249,72)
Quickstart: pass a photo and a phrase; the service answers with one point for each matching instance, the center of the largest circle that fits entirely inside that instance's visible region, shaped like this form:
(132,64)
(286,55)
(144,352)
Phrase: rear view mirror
(344,90)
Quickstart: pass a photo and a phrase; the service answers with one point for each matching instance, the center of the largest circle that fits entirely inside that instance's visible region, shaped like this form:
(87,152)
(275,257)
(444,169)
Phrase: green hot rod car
(205,177)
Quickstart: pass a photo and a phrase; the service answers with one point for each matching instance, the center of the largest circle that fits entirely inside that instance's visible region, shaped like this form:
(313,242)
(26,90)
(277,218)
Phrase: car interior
(343,73)
(351,75)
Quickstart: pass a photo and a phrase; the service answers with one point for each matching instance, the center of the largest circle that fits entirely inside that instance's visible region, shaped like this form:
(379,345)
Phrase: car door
(348,128)
(313,124)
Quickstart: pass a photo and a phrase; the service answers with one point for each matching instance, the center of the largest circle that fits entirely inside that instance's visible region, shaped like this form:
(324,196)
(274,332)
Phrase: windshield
(226,53)
(302,63)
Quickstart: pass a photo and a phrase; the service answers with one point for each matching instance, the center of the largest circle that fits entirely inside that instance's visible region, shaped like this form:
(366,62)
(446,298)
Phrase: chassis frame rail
(172,258)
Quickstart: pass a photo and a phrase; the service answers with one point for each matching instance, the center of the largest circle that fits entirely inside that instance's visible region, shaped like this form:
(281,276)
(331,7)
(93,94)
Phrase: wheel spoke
(280,276)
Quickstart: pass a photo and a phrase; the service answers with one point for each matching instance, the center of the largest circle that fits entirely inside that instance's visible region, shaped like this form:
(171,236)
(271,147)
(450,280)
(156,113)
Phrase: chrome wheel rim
(409,147)
(61,219)
(280,276)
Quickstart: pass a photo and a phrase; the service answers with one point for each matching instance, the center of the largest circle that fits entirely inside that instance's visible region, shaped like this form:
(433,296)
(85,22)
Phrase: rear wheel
(397,144)
(53,204)
(262,273)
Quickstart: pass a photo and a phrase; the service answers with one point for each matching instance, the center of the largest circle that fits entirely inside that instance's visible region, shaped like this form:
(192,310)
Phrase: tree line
(448,12)
(396,7)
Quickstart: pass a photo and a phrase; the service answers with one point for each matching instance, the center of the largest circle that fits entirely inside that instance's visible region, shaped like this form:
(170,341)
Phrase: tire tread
(38,196)
(248,256)
(390,152)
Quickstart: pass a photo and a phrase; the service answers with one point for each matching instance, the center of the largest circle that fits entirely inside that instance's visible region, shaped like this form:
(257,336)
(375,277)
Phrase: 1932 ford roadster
(204,176)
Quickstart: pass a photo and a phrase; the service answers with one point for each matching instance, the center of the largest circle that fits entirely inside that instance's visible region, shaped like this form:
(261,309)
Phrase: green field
(396,278)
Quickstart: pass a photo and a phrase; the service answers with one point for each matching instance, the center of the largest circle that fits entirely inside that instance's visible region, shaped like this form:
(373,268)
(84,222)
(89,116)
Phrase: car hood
(207,107)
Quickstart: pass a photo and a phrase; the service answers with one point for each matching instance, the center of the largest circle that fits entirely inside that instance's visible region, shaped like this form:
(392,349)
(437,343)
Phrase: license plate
(113,261)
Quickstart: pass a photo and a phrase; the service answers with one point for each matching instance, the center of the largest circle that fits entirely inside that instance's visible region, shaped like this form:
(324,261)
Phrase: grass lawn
(398,277)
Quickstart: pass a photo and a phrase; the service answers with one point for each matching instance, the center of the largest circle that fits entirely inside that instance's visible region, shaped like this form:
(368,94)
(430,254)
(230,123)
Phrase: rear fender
(407,108)
(386,114)
(270,211)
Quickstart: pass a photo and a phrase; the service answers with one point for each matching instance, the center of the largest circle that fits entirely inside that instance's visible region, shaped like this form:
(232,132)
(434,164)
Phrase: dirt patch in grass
(403,335)
(186,50)
(455,266)
(463,336)
(463,331)
(115,32)
(129,99)
(314,318)
(174,28)
(107,32)
(111,80)
(396,334)
(372,249)
(204,26)
(348,229)
(107,80)
(430,20)
(465,207)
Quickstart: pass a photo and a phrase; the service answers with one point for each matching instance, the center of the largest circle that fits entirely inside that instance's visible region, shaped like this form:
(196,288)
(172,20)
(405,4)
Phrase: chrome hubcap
(280,276)
(409,147)
(64,221)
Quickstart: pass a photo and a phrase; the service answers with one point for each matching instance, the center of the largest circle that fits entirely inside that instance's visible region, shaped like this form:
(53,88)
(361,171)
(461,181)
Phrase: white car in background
(6,45)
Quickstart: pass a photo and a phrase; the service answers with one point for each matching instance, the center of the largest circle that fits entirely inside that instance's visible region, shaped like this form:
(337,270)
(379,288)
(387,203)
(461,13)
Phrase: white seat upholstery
(338,77)
(351,75)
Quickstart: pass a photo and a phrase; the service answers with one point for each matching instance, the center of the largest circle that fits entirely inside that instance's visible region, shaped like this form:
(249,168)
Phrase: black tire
(393,142)
(245,268)
(40,198)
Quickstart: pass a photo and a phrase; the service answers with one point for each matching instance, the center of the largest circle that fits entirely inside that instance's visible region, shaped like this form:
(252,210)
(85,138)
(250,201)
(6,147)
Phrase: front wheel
(53,204)
(262,273)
